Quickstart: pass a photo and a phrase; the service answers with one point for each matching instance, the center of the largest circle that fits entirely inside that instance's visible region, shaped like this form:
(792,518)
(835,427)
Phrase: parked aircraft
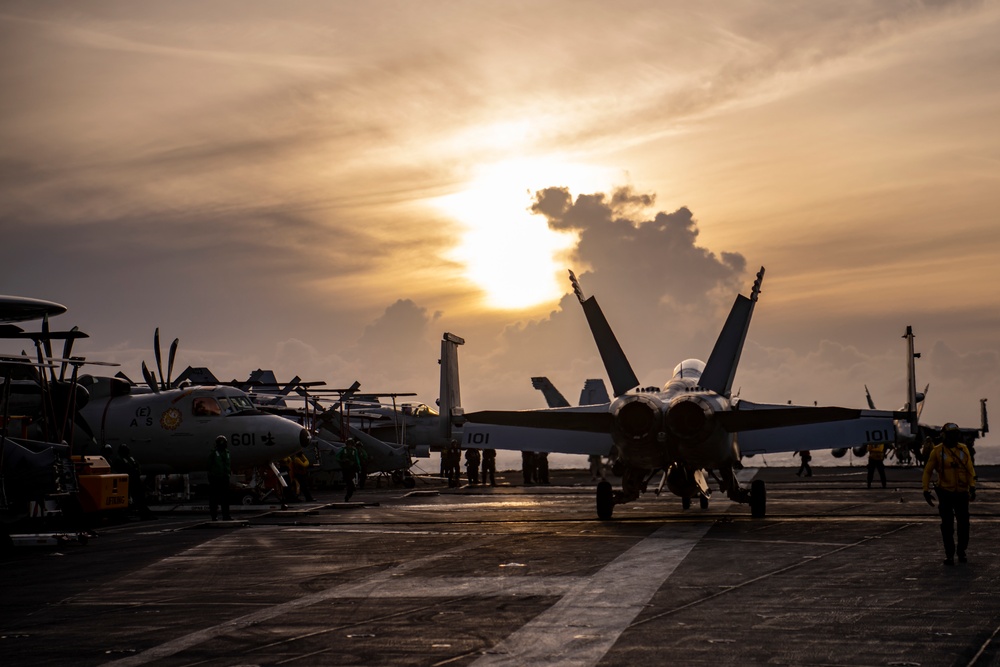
(594,392)
(172,429)
(692,423)
(912,438)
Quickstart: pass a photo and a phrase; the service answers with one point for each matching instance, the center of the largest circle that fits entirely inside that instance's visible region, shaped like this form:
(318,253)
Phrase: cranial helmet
(221,441)
(951,433)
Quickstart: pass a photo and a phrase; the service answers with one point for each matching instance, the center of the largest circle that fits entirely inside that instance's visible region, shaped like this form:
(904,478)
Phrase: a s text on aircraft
(691,423)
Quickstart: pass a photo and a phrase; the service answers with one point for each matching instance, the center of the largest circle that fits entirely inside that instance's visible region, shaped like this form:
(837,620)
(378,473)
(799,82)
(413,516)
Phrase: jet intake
(304,438)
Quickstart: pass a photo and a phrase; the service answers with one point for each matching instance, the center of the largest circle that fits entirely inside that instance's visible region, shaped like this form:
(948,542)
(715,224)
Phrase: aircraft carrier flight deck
(835,574)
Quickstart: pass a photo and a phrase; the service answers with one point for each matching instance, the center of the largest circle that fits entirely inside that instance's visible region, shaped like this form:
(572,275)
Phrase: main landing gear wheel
(758,499)
(686,503)
(703,501)
(605,500)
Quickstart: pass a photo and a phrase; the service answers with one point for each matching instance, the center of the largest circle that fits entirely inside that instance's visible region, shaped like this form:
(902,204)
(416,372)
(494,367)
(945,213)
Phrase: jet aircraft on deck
(689,424)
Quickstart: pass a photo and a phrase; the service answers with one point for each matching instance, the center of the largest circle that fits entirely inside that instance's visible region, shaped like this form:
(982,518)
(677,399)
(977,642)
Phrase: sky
(324,188)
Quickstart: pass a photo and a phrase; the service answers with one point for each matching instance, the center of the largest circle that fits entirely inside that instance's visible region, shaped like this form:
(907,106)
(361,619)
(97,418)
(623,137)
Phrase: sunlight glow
(508,252)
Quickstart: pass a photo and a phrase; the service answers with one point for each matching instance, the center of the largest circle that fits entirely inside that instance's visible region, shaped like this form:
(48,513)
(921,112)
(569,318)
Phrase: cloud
(973,369)
(658,288)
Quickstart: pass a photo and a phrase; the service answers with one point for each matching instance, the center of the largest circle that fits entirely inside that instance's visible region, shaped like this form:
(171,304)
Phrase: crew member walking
(955,487)
(876,461)
(220,468)
(804,469)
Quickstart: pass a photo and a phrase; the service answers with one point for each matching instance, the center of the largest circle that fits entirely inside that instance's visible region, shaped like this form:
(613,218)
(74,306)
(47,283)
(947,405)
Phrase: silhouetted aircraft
(689,424)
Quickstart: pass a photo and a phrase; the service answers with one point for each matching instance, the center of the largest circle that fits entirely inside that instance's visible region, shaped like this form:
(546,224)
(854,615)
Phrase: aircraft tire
(248,499)
(409,482)
(605,500)
(758,499)
(703,501)
(686,503)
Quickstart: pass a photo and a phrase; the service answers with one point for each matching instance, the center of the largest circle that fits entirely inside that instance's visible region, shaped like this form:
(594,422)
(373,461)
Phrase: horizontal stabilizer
(592,422)
(737,421)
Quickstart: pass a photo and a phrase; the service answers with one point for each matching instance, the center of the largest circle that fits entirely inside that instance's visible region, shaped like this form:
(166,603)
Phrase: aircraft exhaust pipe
(690,418)
(637,417)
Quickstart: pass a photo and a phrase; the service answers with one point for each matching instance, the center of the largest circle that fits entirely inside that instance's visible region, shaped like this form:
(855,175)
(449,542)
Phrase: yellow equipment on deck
(100,489)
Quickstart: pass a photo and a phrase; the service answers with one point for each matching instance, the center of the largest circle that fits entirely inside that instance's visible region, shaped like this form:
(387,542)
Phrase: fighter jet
(913,438)
(689,424)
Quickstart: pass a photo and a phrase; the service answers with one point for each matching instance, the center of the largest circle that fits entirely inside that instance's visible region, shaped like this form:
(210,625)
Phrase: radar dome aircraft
(172,429)
(689,424)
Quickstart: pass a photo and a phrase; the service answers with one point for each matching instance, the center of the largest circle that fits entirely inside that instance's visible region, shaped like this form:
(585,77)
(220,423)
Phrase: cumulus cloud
(659,289)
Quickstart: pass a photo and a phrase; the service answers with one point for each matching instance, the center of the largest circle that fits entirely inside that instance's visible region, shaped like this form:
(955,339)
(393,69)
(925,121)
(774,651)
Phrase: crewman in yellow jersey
(876,461)
(955,487)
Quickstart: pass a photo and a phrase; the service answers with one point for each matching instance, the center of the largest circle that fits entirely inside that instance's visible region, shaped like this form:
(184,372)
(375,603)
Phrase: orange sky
(322,188)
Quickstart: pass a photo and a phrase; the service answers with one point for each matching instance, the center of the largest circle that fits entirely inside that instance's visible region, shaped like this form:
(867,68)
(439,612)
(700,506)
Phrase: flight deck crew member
(136,488)
(490,466)
(350,464)
(528,467)
(220,468)
(472,460)
(956,486)
(542,467)
(804,469)
(299,470)
(876,461)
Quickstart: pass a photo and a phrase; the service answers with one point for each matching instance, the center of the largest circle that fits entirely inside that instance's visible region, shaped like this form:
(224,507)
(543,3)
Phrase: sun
(508,252)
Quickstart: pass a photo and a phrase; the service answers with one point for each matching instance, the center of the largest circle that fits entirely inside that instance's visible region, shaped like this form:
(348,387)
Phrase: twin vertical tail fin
(720,369)
(450,401)
(553,397)
(615,362)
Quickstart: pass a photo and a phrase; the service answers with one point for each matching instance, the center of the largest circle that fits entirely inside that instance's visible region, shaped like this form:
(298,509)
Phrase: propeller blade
(170,361)
(67,350)
(150,378)
(156,351)
(592,422)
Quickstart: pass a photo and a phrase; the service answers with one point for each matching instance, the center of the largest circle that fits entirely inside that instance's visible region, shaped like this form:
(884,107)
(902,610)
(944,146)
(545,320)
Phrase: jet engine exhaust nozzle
(689,418)
(638,418)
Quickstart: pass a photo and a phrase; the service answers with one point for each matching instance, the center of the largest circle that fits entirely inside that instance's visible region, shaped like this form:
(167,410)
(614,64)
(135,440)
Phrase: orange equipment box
(100,489)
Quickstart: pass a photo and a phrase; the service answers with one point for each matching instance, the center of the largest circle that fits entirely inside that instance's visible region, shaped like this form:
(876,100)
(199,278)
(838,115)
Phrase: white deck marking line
(607,602)
(175,646)
(583,626)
